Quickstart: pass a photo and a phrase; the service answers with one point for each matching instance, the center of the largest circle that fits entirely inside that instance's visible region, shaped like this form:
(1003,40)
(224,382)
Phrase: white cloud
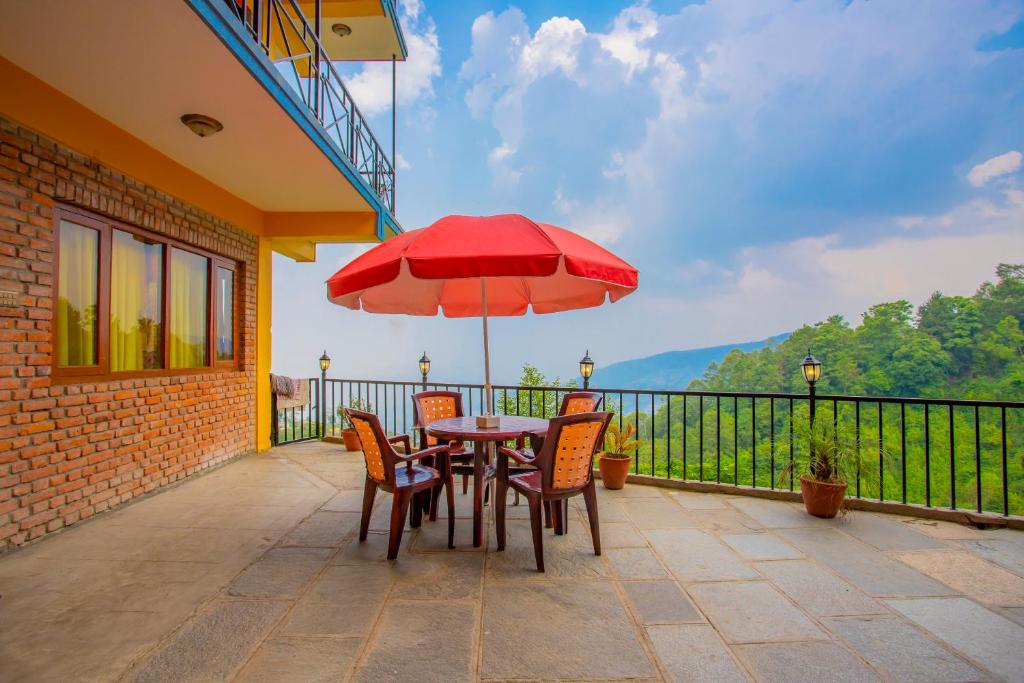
(1001,165)
(401,163)
(414,82)
(630,31)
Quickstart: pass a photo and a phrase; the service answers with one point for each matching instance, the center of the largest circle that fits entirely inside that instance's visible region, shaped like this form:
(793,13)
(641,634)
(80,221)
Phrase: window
(133,303)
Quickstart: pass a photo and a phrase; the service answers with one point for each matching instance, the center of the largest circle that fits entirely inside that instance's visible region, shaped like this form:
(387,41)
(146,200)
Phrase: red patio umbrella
(482,266)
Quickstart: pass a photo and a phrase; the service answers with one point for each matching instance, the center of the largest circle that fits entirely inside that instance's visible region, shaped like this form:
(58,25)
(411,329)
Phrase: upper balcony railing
(281,30)
(916,453)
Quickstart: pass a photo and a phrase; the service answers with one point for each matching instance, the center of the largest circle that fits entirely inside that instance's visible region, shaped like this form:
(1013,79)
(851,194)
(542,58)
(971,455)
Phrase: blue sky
(764,164)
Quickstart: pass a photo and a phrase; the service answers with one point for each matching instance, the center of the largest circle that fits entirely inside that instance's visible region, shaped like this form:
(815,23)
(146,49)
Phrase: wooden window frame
(101,371)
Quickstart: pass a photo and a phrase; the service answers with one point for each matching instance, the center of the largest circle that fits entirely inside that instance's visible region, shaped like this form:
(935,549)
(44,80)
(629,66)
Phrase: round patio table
(509,427)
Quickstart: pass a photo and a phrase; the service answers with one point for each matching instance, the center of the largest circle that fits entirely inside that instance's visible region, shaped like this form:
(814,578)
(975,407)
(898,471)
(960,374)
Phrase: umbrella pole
(486,420)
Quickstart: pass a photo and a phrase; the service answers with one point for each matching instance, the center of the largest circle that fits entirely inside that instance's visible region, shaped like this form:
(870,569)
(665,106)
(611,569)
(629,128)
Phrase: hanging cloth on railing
(289,392)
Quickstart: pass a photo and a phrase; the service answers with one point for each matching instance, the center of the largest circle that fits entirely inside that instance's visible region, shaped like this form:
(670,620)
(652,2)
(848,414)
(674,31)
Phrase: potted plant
(615,459)
(833,456)
(348,433)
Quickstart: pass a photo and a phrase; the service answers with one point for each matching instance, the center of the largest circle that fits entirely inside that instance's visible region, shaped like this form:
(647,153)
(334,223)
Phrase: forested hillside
(951,347)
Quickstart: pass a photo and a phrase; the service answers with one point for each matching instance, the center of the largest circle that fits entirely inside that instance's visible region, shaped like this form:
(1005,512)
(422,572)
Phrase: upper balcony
(295,162)
(302,39)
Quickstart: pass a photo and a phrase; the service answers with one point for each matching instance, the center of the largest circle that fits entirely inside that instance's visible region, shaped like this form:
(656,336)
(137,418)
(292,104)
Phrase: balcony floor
(252,572)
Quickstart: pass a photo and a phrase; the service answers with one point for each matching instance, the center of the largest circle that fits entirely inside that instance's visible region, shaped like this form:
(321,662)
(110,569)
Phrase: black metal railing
(299,423)
(281,30)
(941,453)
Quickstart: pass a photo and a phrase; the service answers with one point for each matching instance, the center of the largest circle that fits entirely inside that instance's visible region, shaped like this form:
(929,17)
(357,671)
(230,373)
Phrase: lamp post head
(586,368)
(325,362)
(811,368)
(424,365)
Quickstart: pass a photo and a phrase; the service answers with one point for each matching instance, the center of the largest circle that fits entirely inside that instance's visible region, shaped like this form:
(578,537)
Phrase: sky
(763,163)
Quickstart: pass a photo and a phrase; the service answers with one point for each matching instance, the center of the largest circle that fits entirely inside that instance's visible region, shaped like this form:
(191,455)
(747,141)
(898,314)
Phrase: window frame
(101,371)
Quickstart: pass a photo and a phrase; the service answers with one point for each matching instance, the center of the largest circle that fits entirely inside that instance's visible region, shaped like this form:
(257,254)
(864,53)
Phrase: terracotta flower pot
(821,499)
(614,471)
(351,439)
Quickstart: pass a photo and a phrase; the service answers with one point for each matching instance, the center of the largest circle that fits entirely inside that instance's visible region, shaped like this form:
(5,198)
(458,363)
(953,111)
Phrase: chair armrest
(425,453)
(404,440)
(518,456)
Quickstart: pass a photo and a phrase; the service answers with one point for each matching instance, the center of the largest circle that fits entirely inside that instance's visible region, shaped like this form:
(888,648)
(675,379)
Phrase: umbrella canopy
(441,266)
(483,266)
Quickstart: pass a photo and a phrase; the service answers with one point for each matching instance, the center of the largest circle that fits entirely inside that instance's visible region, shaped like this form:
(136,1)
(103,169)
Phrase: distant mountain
(672,370)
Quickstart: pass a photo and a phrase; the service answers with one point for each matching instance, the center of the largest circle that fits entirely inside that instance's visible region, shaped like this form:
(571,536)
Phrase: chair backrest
(566,459)
(377,451)
(430,406)
(580,402)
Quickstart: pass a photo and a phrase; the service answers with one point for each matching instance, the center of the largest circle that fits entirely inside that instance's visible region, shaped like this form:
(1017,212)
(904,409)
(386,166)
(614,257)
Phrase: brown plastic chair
(397,474)
(572,403)
(430,406)
(564,468)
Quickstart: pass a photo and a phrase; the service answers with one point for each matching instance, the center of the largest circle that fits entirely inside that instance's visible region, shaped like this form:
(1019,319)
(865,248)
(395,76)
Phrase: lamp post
(811,369)
(325,362)
(586,369)
(424,368)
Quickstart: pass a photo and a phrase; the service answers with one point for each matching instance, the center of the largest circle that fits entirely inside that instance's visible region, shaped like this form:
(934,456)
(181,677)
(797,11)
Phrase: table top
(509,427)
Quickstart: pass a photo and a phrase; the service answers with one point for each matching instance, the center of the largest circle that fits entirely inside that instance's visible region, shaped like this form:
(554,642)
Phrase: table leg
(478,493)
(500,493)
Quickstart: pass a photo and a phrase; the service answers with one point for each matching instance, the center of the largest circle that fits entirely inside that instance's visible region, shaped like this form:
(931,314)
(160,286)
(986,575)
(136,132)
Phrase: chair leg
(557,518)
(465,484)
(547,514)
(369,491)
(516,499)
(416,508)
(538,532)
(590,497)
(450,498)
(565,516)
(399,506)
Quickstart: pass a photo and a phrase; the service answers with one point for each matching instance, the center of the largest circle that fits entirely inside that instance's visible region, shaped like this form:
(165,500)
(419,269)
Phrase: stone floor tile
(817,590)
(694,652)
(213,645)
(373,550)
(885,532)
(609,510)
(635,563)
(970,629)
(725,521)
(343,601)
(621,535)
(345,501)
(301,660)
(901,651)
(694,555)
(753,612)
(559,629)
(1002,551)
(763,546)
(564,556)
(775,514)
(323,530)
(860,564)
(425,641)
(280,573)
(805,663)
(658,513)
(1014,613)
(630,492)
(455,576)
(694,500)
(967,573)
(661,602)
(433,536)
(936,528)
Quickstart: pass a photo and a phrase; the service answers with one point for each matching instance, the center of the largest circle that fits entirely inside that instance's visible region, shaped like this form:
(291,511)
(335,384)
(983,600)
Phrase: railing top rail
(725,394)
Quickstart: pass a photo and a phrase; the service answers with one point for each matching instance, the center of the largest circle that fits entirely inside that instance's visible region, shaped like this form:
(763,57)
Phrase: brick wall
(69,451)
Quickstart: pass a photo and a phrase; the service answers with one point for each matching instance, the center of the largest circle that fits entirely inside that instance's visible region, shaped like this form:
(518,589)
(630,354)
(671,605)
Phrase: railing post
(322,413)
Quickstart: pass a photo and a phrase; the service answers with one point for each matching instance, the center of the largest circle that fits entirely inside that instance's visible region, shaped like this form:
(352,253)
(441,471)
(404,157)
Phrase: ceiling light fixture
(202,125)
(341,30)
